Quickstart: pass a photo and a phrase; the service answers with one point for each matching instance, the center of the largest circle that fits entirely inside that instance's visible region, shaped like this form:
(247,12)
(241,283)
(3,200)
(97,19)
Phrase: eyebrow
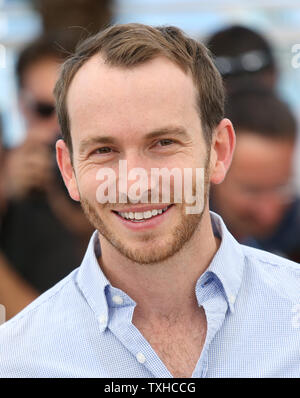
(174,131)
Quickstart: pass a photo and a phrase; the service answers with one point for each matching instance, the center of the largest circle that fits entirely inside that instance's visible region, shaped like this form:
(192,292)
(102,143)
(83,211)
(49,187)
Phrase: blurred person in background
(241,53)
(257,199)
(15,293)
(43,232)
(2,196)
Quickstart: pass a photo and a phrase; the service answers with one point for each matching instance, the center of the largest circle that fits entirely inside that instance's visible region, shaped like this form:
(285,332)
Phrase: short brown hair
(133,44)
(256,109)
(55,45)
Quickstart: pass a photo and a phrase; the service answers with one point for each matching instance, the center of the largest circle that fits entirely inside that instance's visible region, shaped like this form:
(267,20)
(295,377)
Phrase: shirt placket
(215,307)
(121,326)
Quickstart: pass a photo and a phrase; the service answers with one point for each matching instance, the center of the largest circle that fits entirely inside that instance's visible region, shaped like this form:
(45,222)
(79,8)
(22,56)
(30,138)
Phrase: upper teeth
(142,215)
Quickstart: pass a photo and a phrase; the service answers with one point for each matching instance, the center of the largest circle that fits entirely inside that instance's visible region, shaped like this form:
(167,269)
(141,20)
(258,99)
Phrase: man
(49,230)
(160,292)
(2,196)
(15,293)
(241,53)
(257,200)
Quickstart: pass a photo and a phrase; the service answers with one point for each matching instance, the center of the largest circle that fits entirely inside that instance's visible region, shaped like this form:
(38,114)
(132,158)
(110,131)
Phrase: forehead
(118,99)
(259,159)
(41,76)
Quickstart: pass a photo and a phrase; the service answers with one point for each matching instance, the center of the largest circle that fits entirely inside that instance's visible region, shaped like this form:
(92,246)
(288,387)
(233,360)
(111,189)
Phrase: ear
(222,149)
(64,162)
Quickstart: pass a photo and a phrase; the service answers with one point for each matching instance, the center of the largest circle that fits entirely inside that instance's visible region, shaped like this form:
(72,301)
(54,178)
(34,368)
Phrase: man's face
(147,116)
(257,189)
(37,100)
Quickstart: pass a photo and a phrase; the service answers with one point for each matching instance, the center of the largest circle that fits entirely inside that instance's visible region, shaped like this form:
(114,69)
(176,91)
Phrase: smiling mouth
(142,216)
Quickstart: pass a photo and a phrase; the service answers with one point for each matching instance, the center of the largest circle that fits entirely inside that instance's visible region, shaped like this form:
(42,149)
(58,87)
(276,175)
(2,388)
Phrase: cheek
(88,184)
(232,200)
(243,205)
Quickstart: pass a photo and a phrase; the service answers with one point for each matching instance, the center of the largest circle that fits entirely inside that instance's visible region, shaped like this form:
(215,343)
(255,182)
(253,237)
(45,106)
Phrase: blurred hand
(28,167)
(15,292)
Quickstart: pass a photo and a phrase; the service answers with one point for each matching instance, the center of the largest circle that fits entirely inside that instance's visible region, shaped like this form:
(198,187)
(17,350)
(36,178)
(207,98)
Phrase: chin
(149,247)
(259,232)
(263,234)
(150,251)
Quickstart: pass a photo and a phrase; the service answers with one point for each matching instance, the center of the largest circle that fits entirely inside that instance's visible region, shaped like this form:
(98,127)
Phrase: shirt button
(141,357)
(231,299)
(117,299)
(102,319)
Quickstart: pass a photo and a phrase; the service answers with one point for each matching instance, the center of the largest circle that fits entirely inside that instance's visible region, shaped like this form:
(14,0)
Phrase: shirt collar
(227,266)
(92,282)
(228,262)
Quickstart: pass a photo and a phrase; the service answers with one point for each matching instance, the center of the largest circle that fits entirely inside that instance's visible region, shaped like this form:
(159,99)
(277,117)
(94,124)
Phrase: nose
(134,176)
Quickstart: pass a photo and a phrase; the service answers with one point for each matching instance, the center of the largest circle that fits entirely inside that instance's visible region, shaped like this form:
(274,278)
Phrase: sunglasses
(43,109)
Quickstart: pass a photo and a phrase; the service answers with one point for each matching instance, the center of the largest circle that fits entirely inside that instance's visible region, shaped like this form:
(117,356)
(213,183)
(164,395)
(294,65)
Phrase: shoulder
(29,339)
(273,271)
(262,256)
(42,313)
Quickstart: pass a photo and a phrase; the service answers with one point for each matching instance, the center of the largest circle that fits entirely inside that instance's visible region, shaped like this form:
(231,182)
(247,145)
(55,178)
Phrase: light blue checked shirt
(82,326)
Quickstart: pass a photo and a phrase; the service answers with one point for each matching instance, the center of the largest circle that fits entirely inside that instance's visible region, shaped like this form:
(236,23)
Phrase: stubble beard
(176,240)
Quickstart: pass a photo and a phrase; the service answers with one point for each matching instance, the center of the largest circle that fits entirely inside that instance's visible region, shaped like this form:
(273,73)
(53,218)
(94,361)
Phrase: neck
(166,288)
